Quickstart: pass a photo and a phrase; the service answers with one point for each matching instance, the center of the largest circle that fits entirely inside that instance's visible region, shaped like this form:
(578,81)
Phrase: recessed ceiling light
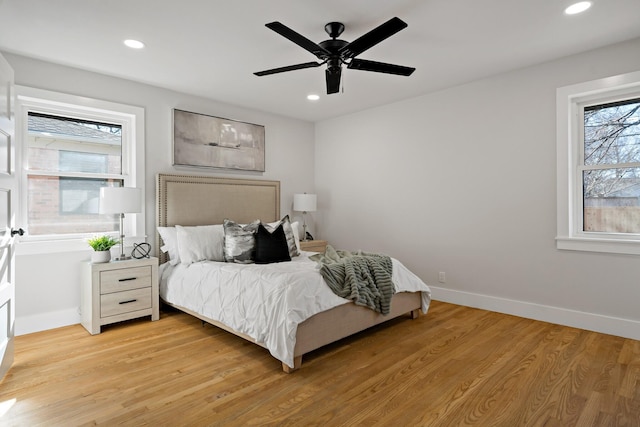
(134,44)
(313,97)
(577,7)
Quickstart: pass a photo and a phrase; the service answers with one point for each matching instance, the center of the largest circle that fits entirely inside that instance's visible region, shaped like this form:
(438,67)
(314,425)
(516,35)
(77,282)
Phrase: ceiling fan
(336,52)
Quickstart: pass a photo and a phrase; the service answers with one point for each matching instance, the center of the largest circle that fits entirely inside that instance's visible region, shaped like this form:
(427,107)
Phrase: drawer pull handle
(128,301)
(127,279)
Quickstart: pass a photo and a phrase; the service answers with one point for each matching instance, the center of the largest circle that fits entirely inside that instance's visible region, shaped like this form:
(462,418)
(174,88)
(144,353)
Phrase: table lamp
(304,203)
(120,200)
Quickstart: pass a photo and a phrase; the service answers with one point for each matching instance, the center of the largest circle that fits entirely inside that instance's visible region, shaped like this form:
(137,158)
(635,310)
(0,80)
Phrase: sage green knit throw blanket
(364,278)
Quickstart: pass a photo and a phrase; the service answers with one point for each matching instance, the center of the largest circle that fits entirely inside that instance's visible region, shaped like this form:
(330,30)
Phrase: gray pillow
(239,241)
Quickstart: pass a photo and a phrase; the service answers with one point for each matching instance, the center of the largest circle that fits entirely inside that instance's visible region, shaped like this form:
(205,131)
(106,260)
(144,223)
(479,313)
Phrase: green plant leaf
(102,243)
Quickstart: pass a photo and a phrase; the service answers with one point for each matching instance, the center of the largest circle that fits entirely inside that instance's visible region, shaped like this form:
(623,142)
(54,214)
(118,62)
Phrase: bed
(186,201)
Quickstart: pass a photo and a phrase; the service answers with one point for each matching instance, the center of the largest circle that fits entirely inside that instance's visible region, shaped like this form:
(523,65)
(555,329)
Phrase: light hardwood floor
(455,366)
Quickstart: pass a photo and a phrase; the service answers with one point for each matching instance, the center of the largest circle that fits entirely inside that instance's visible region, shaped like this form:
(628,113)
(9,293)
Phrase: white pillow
(296,234)
(170,241)
(199,243)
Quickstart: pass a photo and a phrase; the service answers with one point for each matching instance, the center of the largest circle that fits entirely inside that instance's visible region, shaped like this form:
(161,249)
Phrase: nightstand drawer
(125,302)
(125,279)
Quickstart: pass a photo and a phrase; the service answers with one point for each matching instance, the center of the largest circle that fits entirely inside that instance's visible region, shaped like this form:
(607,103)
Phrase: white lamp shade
(304,202)
(120,200)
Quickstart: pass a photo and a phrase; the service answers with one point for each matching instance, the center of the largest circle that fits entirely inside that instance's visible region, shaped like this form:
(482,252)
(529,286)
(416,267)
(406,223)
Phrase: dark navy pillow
(271,246)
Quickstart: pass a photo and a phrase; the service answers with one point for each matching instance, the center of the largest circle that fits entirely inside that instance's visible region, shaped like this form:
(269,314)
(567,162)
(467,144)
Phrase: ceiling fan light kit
(336,52)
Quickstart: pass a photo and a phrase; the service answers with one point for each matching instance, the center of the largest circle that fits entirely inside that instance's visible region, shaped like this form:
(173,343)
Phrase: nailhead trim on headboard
(242,200)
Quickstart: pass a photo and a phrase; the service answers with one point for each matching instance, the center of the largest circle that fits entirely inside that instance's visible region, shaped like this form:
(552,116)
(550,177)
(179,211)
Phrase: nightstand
(313,245)
(118,290)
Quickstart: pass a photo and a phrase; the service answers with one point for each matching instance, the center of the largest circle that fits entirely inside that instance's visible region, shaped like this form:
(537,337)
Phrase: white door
(8,197)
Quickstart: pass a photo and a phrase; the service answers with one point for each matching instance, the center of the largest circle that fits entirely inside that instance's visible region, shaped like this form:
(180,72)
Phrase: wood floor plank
(454,366)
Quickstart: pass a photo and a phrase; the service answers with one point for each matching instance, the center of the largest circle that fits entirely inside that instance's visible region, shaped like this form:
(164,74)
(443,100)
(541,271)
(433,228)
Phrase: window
(599,165)
(71,147)
(611,167)
(68,160)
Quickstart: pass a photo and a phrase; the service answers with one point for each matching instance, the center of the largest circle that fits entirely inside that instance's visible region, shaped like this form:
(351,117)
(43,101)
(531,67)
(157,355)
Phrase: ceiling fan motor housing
(334,60)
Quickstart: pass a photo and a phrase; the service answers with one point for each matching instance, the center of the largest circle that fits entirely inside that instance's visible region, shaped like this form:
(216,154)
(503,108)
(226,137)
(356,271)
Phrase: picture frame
(200,140)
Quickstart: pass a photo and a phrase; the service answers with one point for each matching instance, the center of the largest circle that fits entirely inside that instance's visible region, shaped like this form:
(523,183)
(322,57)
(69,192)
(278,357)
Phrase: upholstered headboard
(205,200)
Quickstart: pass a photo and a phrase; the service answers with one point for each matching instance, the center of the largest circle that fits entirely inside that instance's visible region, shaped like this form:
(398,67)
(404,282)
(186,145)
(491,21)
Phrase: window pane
(60,205)
(73,161)
(612,133)
(61,144)
(611,200)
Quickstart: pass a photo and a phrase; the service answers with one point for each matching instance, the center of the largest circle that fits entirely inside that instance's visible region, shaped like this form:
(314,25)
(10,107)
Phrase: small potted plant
(101,246)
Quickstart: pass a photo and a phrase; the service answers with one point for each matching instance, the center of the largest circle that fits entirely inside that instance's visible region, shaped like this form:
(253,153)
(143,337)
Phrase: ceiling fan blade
(373,37)
(288,68)
(333,80)
(298,39)
(380,67)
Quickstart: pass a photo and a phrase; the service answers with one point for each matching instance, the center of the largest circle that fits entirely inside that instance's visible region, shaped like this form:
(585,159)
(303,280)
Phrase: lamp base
(122,258)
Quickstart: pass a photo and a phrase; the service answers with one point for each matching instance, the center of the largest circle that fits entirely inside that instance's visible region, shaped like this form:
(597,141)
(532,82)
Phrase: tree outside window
(611,167)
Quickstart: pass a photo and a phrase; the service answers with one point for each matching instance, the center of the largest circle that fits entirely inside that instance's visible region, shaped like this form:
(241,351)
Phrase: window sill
(40,247)
(629,247)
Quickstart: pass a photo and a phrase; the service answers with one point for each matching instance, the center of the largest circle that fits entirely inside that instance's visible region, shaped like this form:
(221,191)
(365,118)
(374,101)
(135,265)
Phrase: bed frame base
(348,319)
(331,325)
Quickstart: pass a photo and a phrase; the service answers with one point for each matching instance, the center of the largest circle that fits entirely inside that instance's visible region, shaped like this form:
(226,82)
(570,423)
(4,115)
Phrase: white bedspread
(264,301)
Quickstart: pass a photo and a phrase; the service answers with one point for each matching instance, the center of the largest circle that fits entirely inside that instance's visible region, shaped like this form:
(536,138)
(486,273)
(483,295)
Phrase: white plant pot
(100,256)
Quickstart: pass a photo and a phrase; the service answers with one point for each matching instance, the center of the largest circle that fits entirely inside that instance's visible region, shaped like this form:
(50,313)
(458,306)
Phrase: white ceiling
(212,47)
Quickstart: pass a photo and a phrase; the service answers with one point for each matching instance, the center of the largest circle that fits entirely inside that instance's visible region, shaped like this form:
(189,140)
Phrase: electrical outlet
(442,278)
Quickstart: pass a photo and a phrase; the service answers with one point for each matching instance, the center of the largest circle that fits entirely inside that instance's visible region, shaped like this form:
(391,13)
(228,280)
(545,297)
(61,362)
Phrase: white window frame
(570,103)
(131,119)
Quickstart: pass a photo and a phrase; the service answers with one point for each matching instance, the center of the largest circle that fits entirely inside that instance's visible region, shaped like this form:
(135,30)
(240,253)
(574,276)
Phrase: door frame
(8,197)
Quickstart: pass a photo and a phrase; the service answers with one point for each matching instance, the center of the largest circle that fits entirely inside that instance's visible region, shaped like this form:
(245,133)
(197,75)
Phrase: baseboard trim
(44,321)
(625,328)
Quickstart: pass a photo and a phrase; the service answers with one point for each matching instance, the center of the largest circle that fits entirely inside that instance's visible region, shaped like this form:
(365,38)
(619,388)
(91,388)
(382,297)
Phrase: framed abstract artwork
(206,141)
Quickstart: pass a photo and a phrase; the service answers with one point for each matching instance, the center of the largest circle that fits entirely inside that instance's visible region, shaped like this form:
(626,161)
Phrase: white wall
(463,181)
(48,286)
(460,181)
